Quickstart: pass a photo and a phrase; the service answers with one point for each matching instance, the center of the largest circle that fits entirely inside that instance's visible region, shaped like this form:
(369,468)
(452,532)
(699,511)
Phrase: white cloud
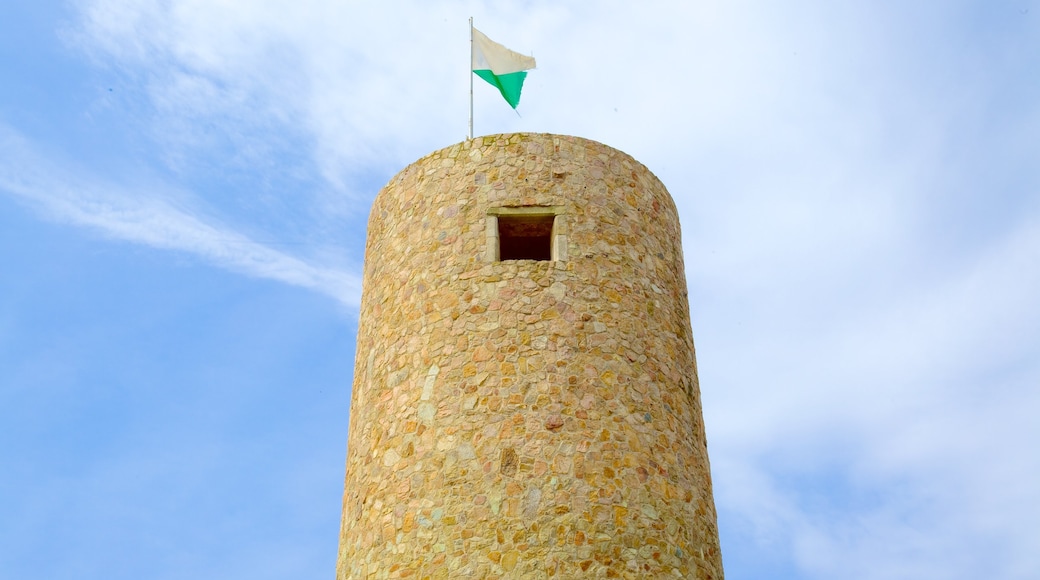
(149,219)
(922,404)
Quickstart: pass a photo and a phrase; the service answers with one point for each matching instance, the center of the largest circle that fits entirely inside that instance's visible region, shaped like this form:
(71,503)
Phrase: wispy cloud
(142,217)
(898,431)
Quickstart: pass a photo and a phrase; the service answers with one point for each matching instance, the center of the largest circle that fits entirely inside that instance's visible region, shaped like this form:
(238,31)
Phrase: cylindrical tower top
(525,394)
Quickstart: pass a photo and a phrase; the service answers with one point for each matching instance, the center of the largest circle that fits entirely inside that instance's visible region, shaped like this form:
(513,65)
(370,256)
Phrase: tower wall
(526,418)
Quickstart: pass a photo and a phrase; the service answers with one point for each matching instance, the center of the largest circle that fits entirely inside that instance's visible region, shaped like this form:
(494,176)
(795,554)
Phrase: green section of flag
(509,84)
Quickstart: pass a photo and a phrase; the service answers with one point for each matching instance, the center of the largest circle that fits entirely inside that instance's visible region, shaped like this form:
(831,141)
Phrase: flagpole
(470,77)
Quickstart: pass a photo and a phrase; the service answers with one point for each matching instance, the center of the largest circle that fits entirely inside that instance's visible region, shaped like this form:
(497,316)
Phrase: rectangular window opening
(525,237)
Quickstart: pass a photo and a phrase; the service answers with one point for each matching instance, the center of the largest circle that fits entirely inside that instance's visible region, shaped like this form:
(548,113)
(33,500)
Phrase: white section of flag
(490,55)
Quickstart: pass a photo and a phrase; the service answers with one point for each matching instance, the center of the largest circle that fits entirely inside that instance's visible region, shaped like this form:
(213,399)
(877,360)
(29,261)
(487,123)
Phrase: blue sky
(184,187)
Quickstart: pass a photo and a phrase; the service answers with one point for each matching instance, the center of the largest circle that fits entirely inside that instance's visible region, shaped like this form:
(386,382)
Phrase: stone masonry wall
(526,419)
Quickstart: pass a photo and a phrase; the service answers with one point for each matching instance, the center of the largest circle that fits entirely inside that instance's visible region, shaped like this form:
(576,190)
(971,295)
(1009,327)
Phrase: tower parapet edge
(526,417)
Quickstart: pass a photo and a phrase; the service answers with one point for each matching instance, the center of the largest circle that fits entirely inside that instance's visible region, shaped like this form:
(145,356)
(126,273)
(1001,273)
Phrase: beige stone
(526,418)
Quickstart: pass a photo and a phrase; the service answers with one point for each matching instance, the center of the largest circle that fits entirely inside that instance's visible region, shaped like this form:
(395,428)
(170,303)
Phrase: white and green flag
(501,67)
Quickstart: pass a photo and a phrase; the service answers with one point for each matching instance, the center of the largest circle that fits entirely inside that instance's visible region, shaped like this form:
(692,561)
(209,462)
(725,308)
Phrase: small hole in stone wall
(525,237)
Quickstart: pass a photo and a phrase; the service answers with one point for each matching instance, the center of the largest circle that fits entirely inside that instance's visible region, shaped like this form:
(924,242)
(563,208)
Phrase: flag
(501,67)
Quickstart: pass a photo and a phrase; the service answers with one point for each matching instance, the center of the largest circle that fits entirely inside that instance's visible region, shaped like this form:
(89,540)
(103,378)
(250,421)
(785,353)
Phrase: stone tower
(525,399)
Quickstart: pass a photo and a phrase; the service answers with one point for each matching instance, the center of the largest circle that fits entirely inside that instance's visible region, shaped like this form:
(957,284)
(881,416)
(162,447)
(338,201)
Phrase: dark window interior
(525,237)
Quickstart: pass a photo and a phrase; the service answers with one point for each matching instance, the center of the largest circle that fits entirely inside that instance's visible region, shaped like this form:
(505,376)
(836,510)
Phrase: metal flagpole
(471,77)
